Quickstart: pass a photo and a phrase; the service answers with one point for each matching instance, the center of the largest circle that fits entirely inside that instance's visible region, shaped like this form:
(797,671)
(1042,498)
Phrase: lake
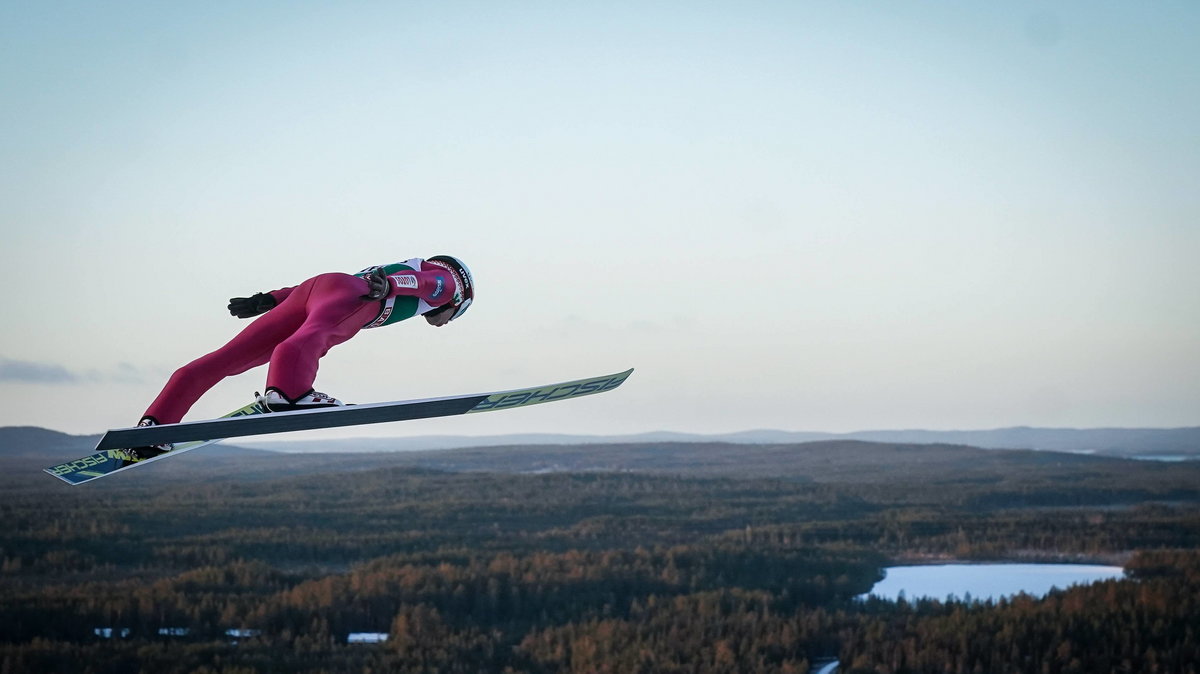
(986,581)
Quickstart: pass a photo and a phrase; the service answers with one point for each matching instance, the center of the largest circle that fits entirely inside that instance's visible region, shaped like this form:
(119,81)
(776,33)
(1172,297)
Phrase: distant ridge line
(1113,441)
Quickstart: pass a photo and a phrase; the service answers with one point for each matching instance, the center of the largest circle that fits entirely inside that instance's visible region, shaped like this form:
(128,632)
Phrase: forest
(622,558)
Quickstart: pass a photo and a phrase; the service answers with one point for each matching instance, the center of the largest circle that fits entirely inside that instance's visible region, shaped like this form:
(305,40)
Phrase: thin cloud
(38,373)
(30,372)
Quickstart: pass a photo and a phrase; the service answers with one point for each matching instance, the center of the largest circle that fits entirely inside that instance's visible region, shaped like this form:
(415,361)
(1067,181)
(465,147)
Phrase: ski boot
(148,451)
(276,401)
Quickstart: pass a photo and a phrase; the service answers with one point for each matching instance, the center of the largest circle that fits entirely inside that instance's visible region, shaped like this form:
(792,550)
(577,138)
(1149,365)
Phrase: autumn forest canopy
(620,558)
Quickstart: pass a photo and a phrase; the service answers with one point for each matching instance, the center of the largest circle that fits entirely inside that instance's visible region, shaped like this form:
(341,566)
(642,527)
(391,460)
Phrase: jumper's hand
(381,287)
(245,307)
(439,317)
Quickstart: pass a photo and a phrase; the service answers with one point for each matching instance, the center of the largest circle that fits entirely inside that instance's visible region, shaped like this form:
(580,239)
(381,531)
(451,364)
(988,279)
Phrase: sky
(827,216)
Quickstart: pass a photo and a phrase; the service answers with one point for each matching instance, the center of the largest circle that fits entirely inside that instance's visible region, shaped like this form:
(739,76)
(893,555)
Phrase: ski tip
(552,392)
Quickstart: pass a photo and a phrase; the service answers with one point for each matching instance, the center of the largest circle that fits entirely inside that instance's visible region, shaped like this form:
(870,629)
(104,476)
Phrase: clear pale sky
(797,215)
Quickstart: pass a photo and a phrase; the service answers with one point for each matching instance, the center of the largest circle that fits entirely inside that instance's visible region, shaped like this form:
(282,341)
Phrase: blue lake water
(987,581)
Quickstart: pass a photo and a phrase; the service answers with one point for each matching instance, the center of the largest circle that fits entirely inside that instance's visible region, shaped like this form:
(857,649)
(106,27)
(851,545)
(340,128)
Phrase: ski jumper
(309,320)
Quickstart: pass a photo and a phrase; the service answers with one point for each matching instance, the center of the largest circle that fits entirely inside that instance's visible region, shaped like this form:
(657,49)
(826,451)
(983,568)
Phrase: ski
(110,457)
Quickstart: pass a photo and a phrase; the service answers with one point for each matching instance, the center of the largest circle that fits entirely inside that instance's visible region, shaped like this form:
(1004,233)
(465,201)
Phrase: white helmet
(466,286)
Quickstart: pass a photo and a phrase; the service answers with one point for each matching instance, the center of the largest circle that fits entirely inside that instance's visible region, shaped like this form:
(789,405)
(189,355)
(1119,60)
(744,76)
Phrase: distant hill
(1105,441)
(33,442)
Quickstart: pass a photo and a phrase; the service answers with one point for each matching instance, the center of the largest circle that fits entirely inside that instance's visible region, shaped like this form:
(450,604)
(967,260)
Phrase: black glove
(381,287)
(245,307)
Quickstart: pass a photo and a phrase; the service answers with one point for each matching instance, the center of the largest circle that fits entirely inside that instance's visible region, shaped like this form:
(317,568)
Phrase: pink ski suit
(308,320)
